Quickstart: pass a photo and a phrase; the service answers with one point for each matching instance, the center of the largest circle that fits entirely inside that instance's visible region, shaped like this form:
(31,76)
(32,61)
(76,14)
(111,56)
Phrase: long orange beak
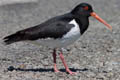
(101,20)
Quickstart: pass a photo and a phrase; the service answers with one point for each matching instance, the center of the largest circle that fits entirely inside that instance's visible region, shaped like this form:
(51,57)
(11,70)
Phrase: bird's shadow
(11,68)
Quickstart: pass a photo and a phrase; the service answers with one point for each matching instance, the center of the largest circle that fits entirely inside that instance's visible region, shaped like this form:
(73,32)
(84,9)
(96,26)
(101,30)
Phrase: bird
(58,32)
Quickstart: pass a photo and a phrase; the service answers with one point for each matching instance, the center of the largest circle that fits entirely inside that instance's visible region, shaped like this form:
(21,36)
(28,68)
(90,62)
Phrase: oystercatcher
(58,32)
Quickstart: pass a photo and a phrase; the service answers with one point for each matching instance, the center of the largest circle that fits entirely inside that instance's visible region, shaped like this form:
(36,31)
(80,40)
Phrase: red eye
(85,8)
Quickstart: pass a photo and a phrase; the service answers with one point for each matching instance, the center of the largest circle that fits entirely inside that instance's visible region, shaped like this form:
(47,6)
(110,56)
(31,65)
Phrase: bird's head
(85,10)
(82,9)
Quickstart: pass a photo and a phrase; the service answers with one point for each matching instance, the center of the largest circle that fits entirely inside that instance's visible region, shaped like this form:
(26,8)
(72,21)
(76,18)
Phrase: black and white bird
(58,32)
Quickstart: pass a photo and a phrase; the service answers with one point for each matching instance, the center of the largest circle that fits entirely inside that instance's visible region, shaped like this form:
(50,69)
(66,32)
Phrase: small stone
(22,66)
(11,68)
(91,74)
(109,74)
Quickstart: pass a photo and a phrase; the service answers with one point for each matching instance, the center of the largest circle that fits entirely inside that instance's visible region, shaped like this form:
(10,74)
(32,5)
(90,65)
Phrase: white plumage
(66,40)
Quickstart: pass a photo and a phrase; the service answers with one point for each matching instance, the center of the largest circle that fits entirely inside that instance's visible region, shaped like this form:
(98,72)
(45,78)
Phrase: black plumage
(58,32)
(53,28)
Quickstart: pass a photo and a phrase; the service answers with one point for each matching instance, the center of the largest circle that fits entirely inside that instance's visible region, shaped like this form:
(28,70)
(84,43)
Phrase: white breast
(74,31)
(66,40)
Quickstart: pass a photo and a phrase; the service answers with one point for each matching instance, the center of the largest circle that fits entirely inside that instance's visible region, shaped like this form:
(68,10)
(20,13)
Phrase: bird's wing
(49,29)
(52,30)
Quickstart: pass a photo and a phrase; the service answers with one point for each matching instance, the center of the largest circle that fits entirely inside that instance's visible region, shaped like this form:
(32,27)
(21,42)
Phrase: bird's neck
(83,23)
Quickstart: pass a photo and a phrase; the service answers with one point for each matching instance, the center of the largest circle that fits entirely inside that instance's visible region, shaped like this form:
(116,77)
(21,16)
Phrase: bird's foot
(70,72)
(56,70)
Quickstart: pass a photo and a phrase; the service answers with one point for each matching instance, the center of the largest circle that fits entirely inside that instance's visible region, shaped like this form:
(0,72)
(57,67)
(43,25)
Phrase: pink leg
(54,60)
(65,65)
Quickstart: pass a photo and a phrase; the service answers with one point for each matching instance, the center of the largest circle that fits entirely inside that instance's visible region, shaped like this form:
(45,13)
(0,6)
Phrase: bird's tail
(13,38)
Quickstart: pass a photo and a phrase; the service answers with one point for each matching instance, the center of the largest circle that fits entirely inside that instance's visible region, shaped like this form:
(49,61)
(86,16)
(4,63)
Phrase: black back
(55,27)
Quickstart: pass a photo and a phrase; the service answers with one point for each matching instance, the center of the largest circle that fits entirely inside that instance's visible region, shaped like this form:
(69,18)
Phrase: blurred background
(97,50)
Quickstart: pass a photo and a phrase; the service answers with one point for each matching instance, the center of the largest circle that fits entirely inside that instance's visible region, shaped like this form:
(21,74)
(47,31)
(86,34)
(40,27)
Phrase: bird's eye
(85,7)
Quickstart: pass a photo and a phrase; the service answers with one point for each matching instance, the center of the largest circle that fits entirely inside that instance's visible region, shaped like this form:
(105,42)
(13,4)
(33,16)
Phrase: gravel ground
(94,57)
